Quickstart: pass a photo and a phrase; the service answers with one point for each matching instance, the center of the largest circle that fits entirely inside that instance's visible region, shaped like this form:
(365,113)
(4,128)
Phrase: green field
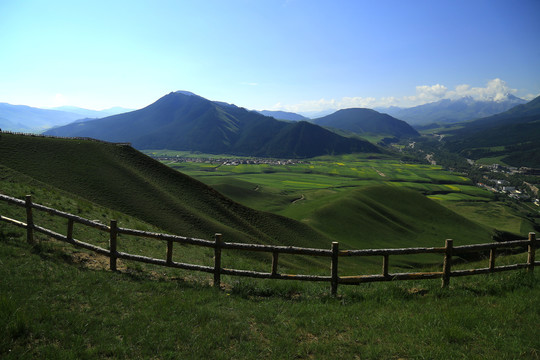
(329,194)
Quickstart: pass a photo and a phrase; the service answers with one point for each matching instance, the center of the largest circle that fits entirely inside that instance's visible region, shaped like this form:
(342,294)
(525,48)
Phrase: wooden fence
(334,253)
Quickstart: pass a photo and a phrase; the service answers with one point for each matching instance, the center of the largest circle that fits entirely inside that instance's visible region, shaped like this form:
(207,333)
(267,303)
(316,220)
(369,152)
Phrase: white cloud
(495,89)
(424,94)
(59,100)
(431,92)
(308,105)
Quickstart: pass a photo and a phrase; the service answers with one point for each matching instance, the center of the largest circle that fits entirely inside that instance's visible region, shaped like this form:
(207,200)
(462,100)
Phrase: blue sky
(296,55)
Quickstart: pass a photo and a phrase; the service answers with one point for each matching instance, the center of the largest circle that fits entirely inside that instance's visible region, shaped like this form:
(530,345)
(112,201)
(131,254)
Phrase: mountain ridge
(367,121)
(179,121)
(511,135)
(452,110)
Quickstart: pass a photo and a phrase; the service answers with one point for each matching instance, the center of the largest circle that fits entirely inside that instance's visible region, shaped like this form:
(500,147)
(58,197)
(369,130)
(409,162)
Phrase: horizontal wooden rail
(278,249)
(149,260)
(498,245)
(219,245)
(355,280)
(263,275)
(75,242)
(13,221)
(166,237)
(383,252)
(489,270)
(52,211)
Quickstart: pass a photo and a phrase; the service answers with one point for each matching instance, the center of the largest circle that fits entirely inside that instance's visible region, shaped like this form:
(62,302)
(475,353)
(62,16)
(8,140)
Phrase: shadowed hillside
(367,121)
(512,135)
(183,121)
(121,178)
(389,216)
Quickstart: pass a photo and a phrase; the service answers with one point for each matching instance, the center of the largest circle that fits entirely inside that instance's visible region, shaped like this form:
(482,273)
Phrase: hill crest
(186,122)
(367,121)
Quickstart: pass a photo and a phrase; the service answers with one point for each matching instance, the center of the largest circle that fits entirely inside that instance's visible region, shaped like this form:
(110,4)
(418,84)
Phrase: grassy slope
(393,217)
(54,308)
(121,178)
(342,200)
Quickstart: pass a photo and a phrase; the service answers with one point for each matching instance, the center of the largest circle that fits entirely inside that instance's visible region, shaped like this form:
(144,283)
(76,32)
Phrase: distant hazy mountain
(93,114)
(8,125)
(30,119)
(512,135)
(180,121)
(367,121)
(317,114)
(451,111)
(283,115)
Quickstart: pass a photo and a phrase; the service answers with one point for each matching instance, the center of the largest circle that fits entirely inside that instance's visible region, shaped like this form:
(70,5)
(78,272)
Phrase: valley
(300,189)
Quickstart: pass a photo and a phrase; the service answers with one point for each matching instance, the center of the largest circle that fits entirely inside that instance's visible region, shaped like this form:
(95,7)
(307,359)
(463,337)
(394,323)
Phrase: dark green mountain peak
(184,121)
(367,121)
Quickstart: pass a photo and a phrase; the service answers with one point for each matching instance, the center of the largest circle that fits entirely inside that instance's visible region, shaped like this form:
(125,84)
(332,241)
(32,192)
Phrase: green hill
(390,216)
(123,179)
(181,121)
(367,121)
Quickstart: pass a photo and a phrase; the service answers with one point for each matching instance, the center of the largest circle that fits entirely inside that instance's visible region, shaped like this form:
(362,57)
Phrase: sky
(292,55)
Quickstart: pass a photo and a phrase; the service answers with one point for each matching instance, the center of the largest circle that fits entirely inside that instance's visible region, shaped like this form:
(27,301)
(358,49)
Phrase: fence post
(492,256)
(385,265)
(169,251)
(275,257)
(217,260)
(334,269)
(112,244)
(29,220)
(531,251)
(447,265)
(70,230)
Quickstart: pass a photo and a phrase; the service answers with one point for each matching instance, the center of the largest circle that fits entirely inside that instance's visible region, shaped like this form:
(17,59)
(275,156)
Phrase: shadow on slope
(121,178)
(385,216)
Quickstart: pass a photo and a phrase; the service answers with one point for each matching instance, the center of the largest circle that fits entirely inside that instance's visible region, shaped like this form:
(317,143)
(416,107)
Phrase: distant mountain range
(93,114)
(451,111)
(283,115)
(185,121)
(30,119)
(367,122)
(512,136)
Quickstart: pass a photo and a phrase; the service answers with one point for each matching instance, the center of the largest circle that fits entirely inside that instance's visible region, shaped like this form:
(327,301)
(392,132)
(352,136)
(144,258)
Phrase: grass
(56,308)
(58,302)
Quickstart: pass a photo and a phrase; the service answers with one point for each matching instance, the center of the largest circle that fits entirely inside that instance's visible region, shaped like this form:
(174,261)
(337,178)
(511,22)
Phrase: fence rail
(219,245)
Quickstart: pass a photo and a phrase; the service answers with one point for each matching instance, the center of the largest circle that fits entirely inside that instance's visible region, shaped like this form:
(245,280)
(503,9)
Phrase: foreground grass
(54,307)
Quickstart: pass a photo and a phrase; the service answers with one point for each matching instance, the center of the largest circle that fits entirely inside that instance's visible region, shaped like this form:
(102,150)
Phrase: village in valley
(511,181)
